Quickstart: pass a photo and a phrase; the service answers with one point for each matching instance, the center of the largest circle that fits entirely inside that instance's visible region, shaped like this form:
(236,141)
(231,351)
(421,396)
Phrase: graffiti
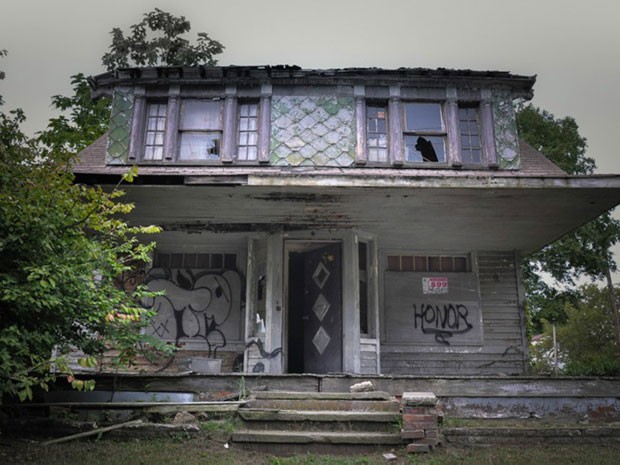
(259,367)
(443,321)
(197,305)
(261,348)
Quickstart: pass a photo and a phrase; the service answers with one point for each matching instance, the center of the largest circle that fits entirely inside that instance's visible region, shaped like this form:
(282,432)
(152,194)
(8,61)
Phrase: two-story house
(365,221)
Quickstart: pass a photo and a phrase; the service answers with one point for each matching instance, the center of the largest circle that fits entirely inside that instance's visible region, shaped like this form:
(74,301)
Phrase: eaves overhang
(441,213)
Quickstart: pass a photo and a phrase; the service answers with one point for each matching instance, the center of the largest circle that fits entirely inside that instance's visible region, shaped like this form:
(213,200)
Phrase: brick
(419,399)
(416,448)
(411,418)
(430,441)
(415,434)
(431,433)
(416,410)
(419,425)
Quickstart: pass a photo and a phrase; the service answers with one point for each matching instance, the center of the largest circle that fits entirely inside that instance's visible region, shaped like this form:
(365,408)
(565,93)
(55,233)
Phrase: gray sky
(573,47)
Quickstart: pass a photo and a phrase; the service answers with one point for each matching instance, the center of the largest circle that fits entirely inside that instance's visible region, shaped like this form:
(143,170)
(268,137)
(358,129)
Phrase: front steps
(289,423)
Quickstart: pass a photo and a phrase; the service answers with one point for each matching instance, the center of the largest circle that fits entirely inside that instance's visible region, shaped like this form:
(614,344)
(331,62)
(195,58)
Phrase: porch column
(351,361)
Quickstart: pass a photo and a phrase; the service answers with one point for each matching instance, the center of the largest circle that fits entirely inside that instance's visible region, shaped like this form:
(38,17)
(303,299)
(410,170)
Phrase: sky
(573,47)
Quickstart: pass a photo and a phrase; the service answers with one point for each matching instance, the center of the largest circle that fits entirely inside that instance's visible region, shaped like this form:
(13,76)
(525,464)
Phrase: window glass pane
(217,261)
(423,117)
(252,138)
(361,251)
(252,153)
(200,115)
(421,264)
(394,263)
(230,261)
(460,264)
(425,149)
(446,264)
(199,146)
(407,263)
(434,264)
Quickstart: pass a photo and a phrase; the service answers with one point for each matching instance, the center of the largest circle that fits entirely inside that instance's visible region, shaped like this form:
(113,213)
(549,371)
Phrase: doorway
(314,319)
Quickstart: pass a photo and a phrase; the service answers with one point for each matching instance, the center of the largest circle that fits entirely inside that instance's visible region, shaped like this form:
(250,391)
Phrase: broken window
(376,133)
(424,133)
(155,129)
(247,137)
(200,130)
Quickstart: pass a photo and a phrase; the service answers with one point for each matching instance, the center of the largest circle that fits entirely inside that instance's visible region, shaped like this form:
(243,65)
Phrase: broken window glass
(424,133)
(200,130)
(376,133)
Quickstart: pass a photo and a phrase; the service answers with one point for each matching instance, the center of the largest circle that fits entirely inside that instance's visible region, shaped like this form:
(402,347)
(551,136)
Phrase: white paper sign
(435,285)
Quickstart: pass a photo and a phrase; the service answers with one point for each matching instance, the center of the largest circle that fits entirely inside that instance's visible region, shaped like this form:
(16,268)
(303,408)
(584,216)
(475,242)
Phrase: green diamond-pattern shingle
(120,127)
(312,131)
(506,143)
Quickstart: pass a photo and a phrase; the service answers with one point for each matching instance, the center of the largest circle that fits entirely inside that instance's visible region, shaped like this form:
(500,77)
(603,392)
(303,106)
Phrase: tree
(163,46)
(87,119)
(63,249)
(586,341)
(587,251)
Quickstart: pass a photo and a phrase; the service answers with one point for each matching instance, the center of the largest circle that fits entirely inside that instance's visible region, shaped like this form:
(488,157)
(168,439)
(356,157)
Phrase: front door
(315,308)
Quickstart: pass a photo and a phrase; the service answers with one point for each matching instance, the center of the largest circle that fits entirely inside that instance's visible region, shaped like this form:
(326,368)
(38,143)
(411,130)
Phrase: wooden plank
(92,433)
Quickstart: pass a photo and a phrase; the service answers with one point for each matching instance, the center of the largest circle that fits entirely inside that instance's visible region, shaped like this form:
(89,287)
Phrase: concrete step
(315,437)
(324,404)
(293,395)
(318,420)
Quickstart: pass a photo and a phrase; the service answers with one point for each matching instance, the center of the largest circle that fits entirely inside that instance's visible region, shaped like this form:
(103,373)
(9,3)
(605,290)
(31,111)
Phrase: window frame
(379,105)
(257,131)
(421,133)
(475,106)
(174,98)
(208,131)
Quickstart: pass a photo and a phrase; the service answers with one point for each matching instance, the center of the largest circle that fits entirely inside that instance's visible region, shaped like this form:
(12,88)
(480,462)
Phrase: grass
(209,448)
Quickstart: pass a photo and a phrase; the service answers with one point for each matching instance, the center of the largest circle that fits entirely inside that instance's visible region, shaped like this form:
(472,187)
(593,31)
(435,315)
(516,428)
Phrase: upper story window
(185,127)
(155,130)
(200,130)
(469,127)
(424,133)
(448,133)
(247,134)
(377,133)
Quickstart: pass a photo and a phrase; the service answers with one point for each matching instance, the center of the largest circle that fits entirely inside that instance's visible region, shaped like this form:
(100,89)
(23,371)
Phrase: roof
(533,164)
(102,84)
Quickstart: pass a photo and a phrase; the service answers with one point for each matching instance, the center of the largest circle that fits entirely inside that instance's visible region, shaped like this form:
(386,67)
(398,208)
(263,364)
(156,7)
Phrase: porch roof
(433,209)
(431,213)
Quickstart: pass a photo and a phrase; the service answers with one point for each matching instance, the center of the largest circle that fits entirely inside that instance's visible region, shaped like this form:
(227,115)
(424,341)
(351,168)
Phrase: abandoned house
(362,221)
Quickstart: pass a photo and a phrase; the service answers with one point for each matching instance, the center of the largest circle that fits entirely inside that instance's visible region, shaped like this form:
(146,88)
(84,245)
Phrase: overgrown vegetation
(201,451)
(65,248)
(585,253)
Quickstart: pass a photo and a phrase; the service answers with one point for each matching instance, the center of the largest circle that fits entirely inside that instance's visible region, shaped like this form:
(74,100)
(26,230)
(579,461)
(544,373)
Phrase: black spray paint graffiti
(260,366)
(443,321)
(195,305)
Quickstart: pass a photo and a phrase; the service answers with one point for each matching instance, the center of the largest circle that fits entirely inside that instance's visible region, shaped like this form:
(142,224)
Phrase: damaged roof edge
(102,84)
